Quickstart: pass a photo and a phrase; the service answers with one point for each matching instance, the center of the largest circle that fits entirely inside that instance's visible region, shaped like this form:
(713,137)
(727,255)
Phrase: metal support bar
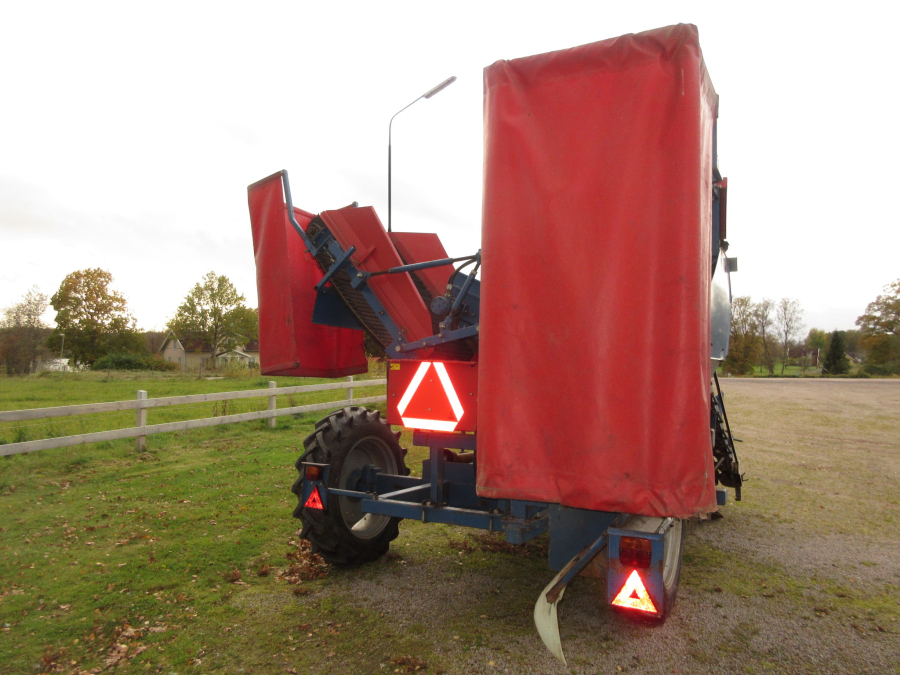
(437,475)
(466,286)
(448,514)
(578,563)
(422,265)
(339,264)
(448,336)
(290,210)
(348,493)
(519,532)
(444,439)
(405,491)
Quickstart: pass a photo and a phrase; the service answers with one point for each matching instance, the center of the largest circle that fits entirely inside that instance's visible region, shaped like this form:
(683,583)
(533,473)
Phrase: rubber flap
(289,342)
(594,363)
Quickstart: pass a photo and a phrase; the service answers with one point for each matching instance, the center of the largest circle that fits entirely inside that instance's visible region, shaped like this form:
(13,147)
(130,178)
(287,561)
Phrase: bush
(133,362)
(891,368)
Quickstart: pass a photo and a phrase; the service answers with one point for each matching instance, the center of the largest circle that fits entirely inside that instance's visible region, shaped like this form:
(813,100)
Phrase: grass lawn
(185,558)
(153,561)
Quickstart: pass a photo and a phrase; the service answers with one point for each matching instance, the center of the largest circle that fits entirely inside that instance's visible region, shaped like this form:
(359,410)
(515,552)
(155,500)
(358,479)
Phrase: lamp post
(428,94)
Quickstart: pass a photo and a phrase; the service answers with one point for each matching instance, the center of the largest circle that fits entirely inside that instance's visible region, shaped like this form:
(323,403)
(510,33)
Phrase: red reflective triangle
(634,595)
(430,401)
(314,501)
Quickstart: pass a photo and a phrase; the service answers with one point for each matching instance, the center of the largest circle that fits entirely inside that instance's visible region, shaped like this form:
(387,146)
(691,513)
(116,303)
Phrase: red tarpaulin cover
(289,342)
(594,360)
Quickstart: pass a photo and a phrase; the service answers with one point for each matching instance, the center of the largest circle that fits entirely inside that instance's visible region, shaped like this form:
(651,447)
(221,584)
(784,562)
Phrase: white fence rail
(141,404)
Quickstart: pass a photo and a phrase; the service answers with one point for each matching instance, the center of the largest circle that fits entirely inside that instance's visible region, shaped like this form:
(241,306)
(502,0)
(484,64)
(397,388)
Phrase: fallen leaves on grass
(52,660)
(305,565)
(408,664)
(263,570)
(232,576)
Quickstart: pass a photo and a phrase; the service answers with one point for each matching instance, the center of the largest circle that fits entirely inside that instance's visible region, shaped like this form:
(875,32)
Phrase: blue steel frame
(445,493)
(322,240)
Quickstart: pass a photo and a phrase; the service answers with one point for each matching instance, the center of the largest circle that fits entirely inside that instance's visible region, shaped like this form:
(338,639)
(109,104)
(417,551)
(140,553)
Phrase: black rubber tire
(346,440)
(673,555)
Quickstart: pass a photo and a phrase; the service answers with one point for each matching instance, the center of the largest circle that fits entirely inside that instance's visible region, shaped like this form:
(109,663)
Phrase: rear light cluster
(635,552)
(313,472)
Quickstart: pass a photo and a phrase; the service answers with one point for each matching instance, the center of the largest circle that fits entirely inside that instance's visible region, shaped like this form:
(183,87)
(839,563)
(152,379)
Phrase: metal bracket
(440,338)
(339,264)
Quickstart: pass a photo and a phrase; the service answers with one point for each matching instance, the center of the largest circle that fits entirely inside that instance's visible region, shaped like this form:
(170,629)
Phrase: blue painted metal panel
(330,310)
(573,529)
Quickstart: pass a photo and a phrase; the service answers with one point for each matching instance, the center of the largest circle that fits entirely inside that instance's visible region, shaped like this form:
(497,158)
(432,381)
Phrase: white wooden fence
(141,404)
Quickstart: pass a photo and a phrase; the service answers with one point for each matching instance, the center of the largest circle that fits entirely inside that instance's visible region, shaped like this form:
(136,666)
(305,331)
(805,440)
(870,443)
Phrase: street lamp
(428,94)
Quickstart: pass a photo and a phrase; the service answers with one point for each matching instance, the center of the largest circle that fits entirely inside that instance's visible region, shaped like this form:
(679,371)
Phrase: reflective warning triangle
(430,400)
(634,595)
(314,501)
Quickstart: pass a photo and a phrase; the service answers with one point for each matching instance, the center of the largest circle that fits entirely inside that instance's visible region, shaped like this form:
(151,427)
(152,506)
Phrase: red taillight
(313,473)
(314,501)
(635,552)
(634,595)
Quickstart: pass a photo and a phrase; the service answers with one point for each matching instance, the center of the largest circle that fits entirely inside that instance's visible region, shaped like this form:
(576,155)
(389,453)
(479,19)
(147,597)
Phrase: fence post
(349,390)
(272,405)
(141,421)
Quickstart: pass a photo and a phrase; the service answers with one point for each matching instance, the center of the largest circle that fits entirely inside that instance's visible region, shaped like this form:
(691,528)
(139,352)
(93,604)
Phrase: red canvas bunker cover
(594,360)
(289,342)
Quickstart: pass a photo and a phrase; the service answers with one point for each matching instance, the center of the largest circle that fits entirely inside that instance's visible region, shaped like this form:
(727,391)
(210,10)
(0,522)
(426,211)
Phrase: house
(803,356)
(198,356)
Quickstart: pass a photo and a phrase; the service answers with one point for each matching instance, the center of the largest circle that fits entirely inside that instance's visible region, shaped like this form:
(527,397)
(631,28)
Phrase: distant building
(57,365)
(197,355)
(804,356)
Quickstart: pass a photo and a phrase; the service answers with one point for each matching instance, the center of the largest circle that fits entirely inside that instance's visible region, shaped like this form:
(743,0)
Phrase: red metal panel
(436,395)
(594,352)
(289,343)
(416,247)
(360,227)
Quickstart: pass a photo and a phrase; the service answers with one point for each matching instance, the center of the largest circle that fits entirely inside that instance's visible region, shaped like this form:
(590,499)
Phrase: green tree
(883,315)
(213,313)
(880,326)
(744,343)
(836,361)
(94,318)
(23,332)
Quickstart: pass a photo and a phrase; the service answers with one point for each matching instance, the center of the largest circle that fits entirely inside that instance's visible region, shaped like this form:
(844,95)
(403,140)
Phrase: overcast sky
(129,132)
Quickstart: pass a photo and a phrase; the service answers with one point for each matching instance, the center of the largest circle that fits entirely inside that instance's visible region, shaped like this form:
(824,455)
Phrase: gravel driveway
(802,576)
